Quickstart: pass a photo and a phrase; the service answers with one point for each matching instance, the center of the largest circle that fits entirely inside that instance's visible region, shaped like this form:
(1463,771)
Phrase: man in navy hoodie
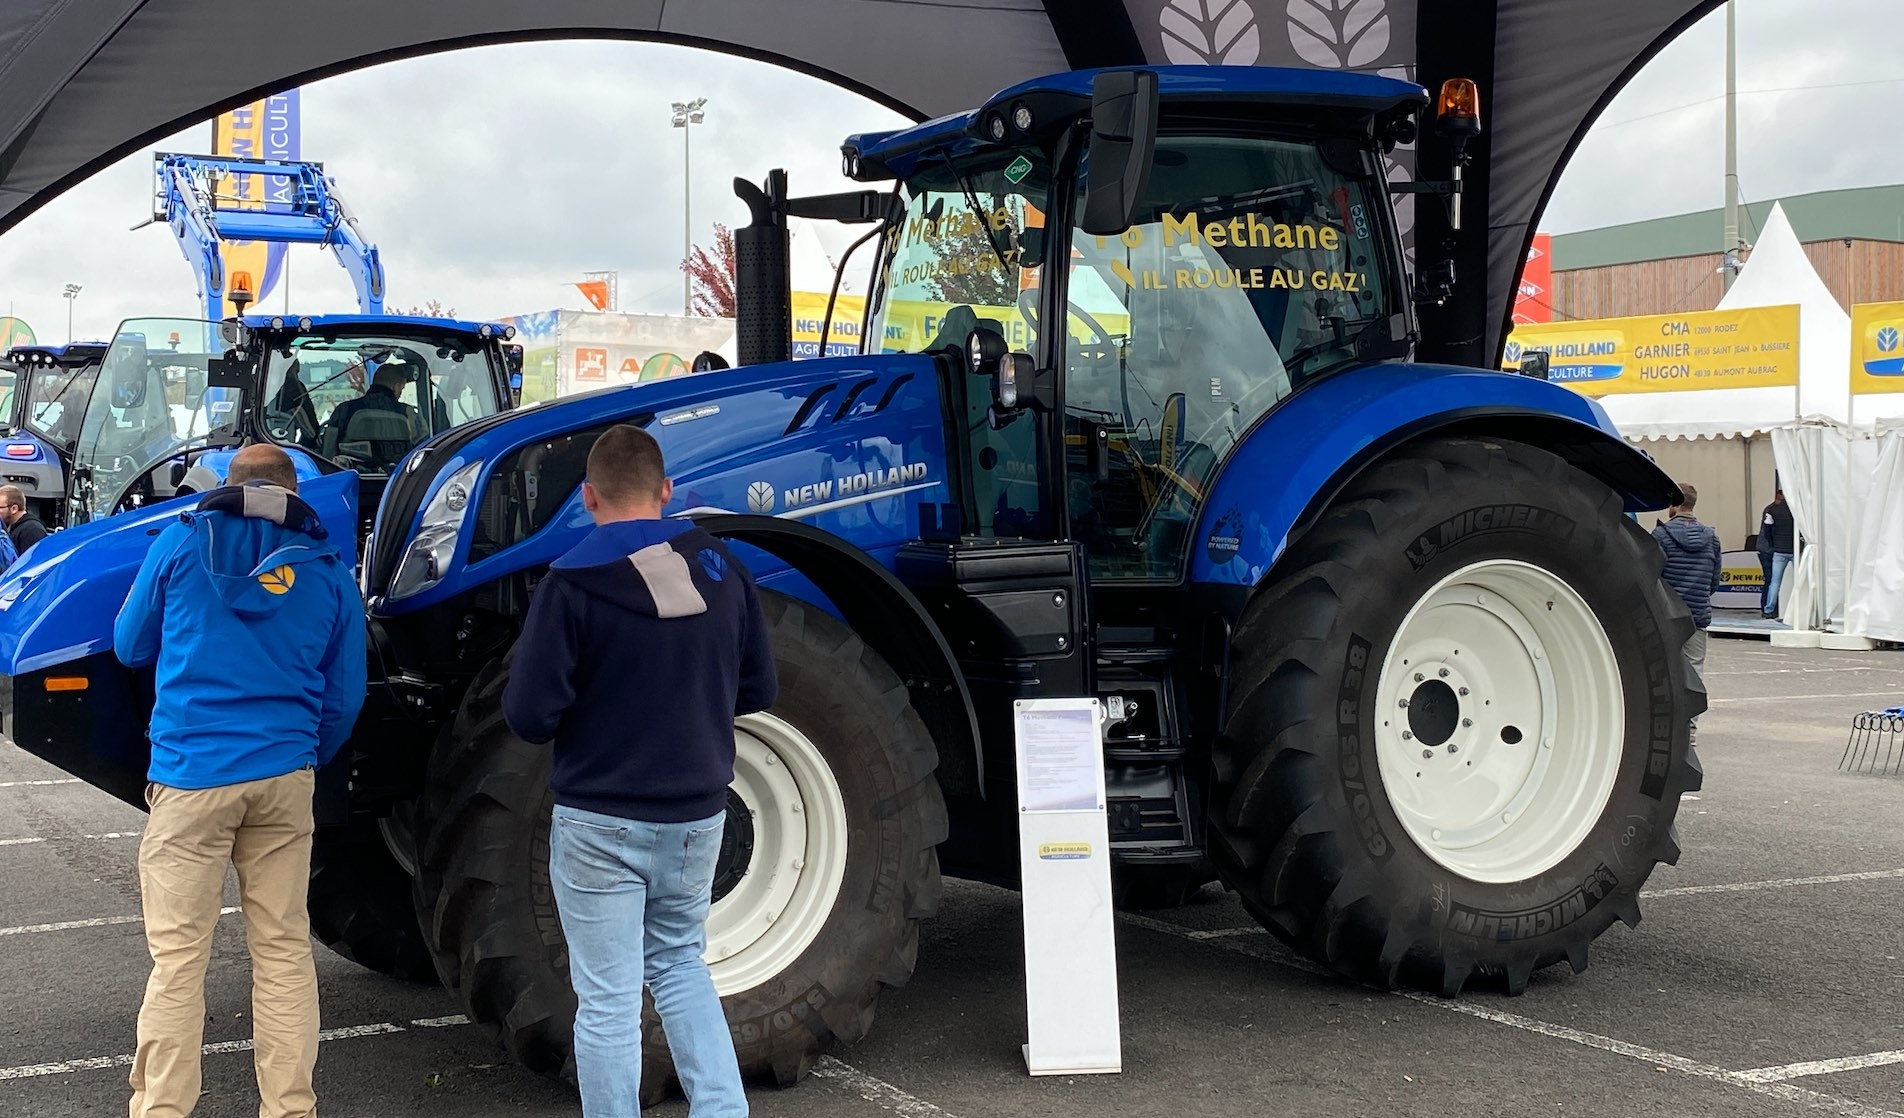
(641,646)
(1693,567)
(257,633)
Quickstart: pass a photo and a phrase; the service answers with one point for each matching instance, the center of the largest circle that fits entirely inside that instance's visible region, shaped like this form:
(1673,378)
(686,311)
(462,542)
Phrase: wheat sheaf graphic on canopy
(1217,32)
(1339,34)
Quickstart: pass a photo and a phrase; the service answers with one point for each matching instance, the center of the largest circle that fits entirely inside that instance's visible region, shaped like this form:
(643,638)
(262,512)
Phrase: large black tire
(360,903)
(1304,828)
(484,895)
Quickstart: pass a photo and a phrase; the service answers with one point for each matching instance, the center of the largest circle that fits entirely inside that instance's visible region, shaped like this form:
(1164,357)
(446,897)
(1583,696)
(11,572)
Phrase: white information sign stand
(1065,856)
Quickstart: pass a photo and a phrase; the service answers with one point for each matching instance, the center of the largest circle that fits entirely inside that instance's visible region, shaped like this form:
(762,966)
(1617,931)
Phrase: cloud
(490,179)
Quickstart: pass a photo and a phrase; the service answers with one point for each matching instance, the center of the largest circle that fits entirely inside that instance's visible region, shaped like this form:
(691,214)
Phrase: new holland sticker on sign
(1755,347)
(1877,348)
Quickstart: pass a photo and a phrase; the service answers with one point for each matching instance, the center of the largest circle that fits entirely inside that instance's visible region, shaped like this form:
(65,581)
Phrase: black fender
(885,614)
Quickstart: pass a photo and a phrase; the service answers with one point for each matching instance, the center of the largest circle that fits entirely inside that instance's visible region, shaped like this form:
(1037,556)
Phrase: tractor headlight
(430,554)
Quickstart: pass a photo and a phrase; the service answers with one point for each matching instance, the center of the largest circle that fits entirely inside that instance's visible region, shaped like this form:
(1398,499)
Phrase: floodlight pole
(1729,267)
(686,115)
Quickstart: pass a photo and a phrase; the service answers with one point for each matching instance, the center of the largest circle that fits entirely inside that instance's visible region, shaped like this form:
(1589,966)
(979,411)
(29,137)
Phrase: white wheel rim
(1500,721)
(775,910)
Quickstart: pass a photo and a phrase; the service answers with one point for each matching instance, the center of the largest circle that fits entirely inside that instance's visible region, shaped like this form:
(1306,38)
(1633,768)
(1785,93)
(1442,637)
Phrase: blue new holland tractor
(1136,420)
(43,390)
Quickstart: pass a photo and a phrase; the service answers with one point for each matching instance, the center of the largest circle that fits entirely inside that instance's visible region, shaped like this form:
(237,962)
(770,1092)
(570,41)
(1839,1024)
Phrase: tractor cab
(173,399)
(42,398)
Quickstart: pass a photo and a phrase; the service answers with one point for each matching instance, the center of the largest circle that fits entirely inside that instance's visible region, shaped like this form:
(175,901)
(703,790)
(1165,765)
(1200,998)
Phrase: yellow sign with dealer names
(1754,347)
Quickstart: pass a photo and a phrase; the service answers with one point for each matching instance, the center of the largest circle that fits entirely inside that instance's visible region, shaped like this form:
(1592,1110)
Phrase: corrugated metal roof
(1868,214)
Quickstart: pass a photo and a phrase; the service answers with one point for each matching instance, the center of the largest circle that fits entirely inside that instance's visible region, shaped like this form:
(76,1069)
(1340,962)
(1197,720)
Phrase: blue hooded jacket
(257,631)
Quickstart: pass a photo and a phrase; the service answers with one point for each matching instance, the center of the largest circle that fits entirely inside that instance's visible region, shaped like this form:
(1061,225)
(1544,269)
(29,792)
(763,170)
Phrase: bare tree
(431,309)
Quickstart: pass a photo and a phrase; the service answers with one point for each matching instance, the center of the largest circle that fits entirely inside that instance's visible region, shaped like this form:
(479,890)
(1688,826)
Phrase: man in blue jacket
(1693,567)
(257,633)
(641,646)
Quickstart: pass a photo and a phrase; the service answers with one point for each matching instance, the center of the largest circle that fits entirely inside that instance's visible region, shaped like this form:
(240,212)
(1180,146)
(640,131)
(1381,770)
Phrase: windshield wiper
(979,212)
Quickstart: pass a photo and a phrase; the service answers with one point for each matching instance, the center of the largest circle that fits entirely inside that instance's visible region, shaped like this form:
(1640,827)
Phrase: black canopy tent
(86,82)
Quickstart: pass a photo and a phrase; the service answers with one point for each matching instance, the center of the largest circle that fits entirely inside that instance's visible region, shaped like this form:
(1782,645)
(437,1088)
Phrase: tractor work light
(485,330)
(1021,117)
(304,324)
(995,127)
(508,332)
(277,322)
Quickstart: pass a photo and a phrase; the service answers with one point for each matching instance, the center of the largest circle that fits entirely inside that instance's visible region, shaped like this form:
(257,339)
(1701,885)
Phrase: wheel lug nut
(1403,704)
(1419,677)
(1406,736)
(1462,691)
(1444,673)
(1453,748)
(1427,754)
(1467,722)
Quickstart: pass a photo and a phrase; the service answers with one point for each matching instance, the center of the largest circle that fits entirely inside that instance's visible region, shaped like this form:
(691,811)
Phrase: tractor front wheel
(828,863)
(1460,722)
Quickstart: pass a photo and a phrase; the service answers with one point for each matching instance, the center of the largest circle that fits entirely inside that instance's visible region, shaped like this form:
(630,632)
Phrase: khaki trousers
(263,828)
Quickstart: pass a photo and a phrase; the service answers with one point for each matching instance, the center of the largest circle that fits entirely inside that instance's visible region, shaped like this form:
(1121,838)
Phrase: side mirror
(1123,141)
(1536,363)
(512,356)
(1031,248)
(707,361)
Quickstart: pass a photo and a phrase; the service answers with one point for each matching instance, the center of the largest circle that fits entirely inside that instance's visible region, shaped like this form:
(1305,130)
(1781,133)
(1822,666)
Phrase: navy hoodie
(641,646)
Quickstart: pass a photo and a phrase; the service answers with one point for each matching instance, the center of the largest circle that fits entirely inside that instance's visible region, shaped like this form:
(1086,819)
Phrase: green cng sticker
(1020,167)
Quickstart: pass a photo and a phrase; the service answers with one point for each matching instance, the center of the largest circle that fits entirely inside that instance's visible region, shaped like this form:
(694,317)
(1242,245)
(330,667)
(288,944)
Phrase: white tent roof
(1778,274)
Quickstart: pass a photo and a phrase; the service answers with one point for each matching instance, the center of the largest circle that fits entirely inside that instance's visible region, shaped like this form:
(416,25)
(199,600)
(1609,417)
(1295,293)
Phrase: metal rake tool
(1876,744)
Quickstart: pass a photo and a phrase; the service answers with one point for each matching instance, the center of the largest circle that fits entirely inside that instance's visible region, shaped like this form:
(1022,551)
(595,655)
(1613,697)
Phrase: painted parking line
(95,922)
(1798,698)
(1274,952)
(30,840)
(871,1088)
(875,1090)
(37,783)
(1823,1067)
(1775,883)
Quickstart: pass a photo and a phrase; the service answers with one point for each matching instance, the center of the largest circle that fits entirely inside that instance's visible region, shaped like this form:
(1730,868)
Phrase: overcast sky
(492,178)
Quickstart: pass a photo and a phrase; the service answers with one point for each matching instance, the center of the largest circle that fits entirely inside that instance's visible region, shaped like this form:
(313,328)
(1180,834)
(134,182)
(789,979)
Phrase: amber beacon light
(1458,111)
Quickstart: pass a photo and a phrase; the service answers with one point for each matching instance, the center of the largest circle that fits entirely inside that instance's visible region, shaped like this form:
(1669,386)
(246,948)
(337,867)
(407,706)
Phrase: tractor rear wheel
(1460,722)
(360,903)
(828,863)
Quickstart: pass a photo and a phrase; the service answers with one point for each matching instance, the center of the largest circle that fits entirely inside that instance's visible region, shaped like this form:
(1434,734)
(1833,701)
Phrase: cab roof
(361,321)
(874,156)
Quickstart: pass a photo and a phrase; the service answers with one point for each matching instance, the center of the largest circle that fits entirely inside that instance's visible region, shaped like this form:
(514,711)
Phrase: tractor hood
(854,446)
(58,603)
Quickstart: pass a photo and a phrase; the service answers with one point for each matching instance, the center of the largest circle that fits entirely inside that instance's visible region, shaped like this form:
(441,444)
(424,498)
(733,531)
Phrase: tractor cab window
(150,401)
(9,393)
(1253,268)
(962,259)
(55,400)
(363,402)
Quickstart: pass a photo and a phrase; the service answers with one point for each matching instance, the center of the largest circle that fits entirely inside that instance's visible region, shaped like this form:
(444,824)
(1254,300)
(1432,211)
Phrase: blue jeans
(1779,562)
(633,898)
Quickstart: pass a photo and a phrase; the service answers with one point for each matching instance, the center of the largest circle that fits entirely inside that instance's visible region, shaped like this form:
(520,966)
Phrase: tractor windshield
(1255,265)
(55,398)
(364,400)
(9,395)
(151,399)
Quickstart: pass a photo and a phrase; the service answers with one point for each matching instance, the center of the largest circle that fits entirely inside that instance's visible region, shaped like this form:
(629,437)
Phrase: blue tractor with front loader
(1137,420)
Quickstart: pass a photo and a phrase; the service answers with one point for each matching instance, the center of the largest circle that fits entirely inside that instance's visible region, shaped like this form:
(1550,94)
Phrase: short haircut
(11,495)
(1691,497)
(625,465)
(392,377)
(262,462)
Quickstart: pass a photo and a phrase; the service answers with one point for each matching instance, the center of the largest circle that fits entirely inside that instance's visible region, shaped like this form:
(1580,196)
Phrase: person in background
(642,645)
(256,631)
(1693,567)
(1776,545)
(23,528)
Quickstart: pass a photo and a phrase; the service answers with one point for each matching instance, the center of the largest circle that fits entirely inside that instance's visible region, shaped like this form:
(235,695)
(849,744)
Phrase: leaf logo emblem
(1339,34)
(278,580)
(1217,32)
(1887,339)
(760,497)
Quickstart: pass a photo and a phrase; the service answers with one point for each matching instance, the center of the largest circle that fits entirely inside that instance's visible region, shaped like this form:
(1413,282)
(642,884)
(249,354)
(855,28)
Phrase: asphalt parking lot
(1765,978)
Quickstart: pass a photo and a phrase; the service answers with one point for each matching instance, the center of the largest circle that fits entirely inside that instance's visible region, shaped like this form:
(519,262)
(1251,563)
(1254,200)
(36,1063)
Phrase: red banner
(1535,301)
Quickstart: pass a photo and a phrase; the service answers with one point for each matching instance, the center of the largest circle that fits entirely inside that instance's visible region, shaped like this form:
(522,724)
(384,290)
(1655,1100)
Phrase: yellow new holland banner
(1756,347)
